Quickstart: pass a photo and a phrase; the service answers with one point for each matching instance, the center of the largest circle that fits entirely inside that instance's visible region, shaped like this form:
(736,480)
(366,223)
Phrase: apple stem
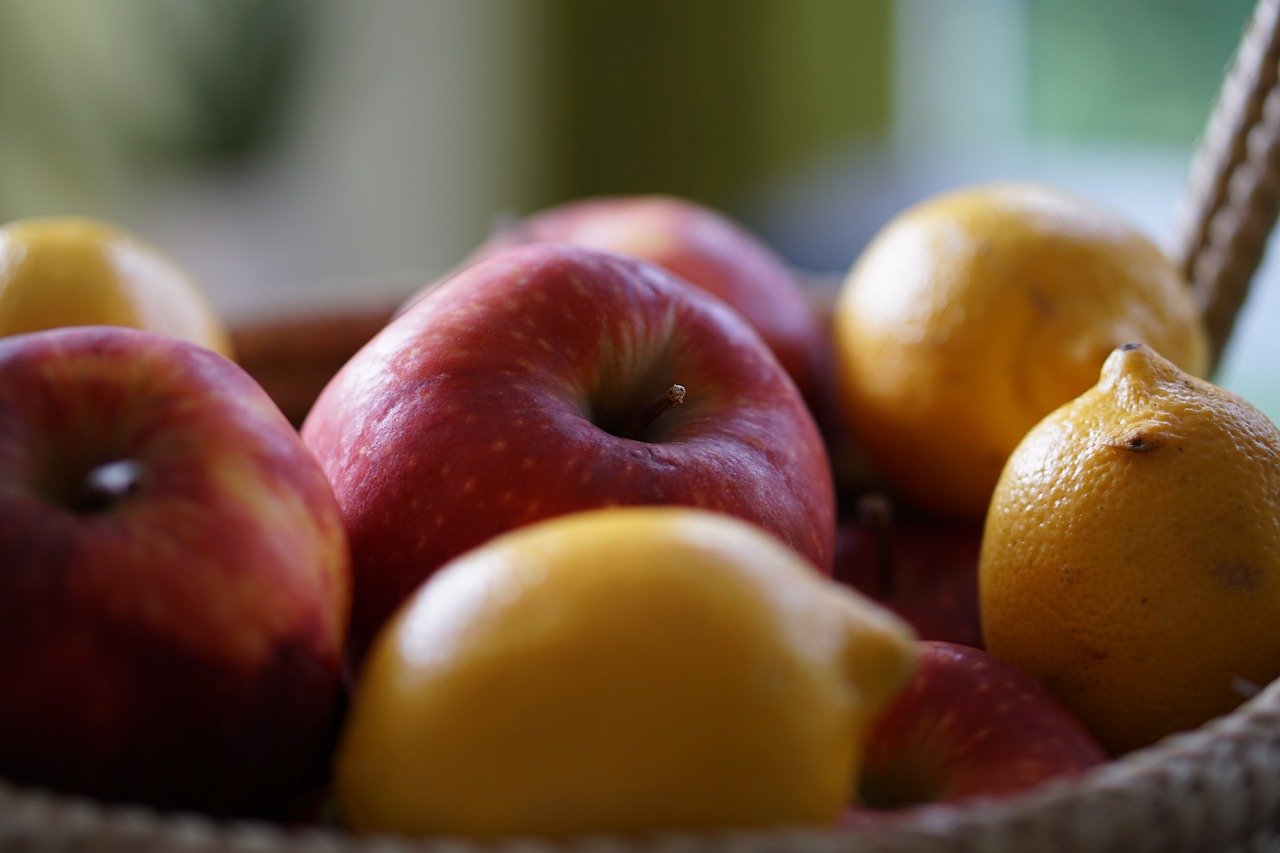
(108,484)
(673,396)
(875,510)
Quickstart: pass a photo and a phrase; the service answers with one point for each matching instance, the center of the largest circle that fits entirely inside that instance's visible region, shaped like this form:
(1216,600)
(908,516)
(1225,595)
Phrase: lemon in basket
(71,271)
(1131,557)
(977,312)
(618,671)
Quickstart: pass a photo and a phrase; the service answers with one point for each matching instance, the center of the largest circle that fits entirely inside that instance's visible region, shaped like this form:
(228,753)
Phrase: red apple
(702,246)
(521,388)
(967,726)
(174,576)
(924,569)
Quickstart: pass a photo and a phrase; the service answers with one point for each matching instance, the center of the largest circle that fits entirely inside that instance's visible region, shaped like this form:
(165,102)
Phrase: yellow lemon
(618,670)
(1131,557)
(974,314)
(68,271)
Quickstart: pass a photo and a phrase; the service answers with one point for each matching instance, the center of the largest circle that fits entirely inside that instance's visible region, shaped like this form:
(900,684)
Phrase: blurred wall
(296,152)
(277,148)
(276,142)
(711,97)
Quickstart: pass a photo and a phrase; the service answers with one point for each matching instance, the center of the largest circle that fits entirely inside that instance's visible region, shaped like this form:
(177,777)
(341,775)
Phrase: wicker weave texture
(1216,788)
(1232,195)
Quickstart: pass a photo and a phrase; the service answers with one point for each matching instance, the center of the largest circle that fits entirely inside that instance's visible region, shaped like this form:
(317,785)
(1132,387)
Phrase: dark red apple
(924,569)
(968,726)
(174,576)
(532,384)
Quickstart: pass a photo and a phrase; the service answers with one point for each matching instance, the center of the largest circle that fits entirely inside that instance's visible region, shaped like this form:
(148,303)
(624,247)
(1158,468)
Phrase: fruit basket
(1217,787)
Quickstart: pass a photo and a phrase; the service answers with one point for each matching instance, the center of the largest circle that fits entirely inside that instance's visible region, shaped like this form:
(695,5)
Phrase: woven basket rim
(1218,784)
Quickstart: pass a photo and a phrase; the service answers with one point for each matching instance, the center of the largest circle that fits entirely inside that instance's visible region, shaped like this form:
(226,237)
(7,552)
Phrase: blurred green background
(318,149)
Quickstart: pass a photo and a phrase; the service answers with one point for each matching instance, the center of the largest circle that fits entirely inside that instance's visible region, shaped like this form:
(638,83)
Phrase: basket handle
(1232,195)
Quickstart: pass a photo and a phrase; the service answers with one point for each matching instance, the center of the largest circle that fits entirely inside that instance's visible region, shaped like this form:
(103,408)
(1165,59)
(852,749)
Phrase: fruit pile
(621,528)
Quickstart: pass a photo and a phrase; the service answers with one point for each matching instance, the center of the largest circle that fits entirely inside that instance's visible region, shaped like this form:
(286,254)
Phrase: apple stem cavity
(108,484)
(673,396)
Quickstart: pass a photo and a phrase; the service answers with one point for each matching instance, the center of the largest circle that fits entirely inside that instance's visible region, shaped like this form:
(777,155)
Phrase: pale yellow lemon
(71,271)
(619,670)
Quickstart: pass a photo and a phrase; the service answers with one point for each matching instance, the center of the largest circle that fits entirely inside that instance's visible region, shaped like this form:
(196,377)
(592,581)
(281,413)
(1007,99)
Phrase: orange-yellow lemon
(975,313)
(1131,557)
